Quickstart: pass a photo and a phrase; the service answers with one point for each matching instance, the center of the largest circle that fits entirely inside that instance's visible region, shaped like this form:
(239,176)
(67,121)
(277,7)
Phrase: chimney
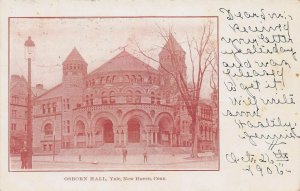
(39,86)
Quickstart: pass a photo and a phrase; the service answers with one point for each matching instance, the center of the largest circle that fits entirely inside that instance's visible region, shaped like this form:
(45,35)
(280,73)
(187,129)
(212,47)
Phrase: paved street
(114,162)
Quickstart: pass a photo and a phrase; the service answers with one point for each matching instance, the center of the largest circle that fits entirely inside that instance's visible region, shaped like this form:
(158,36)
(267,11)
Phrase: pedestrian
(124,152)
(24,156)
(145,155)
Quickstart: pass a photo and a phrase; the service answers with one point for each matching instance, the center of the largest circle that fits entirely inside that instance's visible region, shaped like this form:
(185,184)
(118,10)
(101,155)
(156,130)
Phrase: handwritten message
(258,58)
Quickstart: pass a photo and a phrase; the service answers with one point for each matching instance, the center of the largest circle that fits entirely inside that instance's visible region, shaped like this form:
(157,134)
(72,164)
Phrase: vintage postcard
(150,95)
(117,94)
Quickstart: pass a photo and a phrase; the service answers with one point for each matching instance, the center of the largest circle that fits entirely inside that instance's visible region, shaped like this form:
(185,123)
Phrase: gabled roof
(172,45)
(124,61)
(37,91)
(74,56)
(56,91)
(17,80)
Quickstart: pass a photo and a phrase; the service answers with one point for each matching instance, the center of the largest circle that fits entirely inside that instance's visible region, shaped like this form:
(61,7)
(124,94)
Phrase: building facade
(18,95)
(123,102)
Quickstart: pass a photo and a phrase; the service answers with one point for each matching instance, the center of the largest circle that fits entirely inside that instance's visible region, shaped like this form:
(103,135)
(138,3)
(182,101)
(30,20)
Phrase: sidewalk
(108,162)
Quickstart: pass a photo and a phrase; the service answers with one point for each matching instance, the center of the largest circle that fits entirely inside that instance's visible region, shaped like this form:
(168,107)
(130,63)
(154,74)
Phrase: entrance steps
(132,148)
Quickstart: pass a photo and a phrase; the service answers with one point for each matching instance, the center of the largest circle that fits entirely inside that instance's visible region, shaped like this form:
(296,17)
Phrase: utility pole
(54,146)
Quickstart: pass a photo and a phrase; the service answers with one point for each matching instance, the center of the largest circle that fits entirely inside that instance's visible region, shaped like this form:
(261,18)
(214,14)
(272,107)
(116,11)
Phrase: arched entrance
(80,128)
(80,133)
(104,131)
(133,130)
(164,132)
(108,133)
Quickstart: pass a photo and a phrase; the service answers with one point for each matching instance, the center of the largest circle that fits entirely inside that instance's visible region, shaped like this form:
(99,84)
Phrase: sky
(97,40)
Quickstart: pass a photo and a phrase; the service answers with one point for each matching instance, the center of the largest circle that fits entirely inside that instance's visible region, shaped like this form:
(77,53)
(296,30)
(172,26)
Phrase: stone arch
(80,128)
(106,90)
(165,124)
(141,89)
(107,115)
(83,119)
(126,88)
(48,129)
(162,115)
(89,90)
(45,123)
(139,114)
(136,121)
(153,89)
(116,90)
(104,124)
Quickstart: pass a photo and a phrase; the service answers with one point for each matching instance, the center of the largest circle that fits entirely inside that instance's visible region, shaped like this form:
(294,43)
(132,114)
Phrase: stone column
(75,141)
(147,138)
(207,134)
(85,139)
(115,138)
(156,140)
(171,139)
(119,138)
(102,137)
(151,138)
(92,139)
(125,138)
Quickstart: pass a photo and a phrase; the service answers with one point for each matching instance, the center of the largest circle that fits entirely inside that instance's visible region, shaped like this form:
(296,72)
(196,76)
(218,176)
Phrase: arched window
(91,99)
(104,98)
(112,98)
(129,96)
(206,132)
(139,79)
(108,79)
(138,96)
(201,131)
(114,79)
(87,100)
(158,99)
(150,80)
(48,129)
(133,79)
(80,128)
(152,98)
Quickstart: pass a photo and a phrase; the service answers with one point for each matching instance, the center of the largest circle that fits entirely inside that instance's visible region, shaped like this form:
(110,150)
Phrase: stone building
(18,95)
(122,103)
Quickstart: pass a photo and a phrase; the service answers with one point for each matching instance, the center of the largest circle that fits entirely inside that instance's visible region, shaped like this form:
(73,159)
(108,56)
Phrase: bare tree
(202,53)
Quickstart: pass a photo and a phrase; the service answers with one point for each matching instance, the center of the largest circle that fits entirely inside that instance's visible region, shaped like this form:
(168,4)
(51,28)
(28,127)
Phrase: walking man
(24,153)
(145,155)
(124,152)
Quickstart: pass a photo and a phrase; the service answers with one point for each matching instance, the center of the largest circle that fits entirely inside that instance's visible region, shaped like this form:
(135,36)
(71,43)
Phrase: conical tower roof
(74,56)
(172,45)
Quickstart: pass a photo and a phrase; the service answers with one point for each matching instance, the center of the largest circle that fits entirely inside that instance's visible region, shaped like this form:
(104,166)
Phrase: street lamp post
(53,145)
(29,48)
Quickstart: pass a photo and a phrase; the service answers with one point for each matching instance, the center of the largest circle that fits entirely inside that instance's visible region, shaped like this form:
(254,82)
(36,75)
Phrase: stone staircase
(132,148)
